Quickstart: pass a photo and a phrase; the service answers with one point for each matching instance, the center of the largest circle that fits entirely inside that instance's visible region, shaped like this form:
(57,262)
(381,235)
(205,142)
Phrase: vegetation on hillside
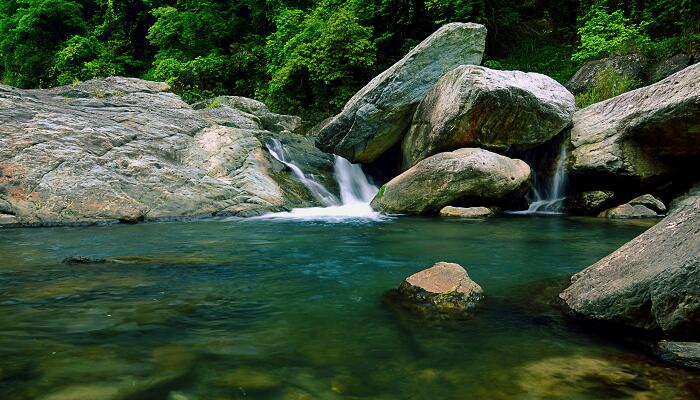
(308,57)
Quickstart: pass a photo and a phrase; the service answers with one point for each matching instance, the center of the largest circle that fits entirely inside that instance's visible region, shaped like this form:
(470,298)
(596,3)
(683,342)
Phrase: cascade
(356,192)
(549,198)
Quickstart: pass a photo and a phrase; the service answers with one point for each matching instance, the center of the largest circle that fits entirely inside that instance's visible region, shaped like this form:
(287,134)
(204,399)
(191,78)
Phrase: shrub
(605,34)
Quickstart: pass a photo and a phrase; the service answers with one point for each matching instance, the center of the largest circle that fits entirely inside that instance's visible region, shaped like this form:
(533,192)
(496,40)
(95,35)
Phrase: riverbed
(279,308)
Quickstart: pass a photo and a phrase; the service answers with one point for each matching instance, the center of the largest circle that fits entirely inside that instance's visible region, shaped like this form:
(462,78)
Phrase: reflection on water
(274,309)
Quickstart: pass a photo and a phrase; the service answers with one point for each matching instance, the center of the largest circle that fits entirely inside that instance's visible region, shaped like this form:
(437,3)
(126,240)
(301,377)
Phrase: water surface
(278,309)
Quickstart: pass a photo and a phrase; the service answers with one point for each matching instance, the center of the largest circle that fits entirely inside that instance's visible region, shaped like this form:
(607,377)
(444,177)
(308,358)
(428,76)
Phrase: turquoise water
(273,309)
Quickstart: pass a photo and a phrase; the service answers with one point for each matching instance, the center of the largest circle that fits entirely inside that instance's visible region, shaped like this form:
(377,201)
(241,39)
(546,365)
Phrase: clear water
(275,309)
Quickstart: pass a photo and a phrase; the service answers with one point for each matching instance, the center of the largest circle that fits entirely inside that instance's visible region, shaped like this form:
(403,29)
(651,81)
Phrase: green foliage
(607,85)
(315,59)
(605,34)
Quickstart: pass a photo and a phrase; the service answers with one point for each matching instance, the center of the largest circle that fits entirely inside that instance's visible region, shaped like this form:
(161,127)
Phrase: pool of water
(277,309)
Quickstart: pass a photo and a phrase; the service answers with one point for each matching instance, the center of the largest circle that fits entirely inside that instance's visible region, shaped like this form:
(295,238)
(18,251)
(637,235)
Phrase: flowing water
(293,309)
(548,198)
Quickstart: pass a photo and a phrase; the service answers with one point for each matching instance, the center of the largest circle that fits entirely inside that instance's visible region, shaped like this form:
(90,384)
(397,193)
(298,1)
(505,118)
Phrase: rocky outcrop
(589,203)
(127,149)
(442,287)
(640,135)
(462,177)
(466,212)
(378,116)
(630,66)
(652,282)
(645,206)
(669,67)
(685,354)
(501,111)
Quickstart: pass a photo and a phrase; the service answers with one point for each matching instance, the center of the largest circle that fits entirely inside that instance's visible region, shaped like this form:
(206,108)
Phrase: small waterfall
(356,192)
(551,201)
(317,190)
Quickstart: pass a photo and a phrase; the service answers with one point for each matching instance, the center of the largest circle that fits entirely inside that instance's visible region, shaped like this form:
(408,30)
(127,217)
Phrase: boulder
(464,177)
(378,116)
(468,212)
(631,66)
(642,135)
(652,282)
(123,149)
(669,67)
(501,111)
(588,203)
(685,354)
(442,287)
(645,206)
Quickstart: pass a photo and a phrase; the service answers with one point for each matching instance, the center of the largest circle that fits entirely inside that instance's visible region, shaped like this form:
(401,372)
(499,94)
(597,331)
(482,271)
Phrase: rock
(251,379)
(640,135)
(652,282)
(470,212)
(501,111)
(645,206)
(444,287)
(630,66)
(123,149)
(670,67)
(268,120)
(465,177)
(685,354)
(588,203)
(378,116)
(8,219)
(689,196)
(84,260)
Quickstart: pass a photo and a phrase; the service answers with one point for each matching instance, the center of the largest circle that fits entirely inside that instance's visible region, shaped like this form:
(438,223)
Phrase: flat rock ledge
(443,288)
(466,212)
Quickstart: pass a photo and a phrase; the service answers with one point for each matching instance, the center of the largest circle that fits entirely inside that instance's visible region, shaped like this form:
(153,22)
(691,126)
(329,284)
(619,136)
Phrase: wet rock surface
(685,354)
(466,212)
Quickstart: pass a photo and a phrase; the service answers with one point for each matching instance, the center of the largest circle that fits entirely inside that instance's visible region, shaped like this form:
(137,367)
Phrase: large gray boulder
(644,134)
(127,149)
(473,106)
(652,282)
(378,116)
(629,66)
(466,176)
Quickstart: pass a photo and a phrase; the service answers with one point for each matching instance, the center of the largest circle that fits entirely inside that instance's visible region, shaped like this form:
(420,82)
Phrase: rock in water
(643,134)
(378,116)
(685,354)
(652,282)
(469,212)
(443,287)
(645,206)
(474,106)
(465,176)
(589,203)
(127,149)
(628,66)
(84,260)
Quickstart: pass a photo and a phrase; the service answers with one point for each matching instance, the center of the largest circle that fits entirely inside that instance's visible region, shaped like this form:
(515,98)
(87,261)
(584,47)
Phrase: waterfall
(550,202)
(356,192)
(317,190)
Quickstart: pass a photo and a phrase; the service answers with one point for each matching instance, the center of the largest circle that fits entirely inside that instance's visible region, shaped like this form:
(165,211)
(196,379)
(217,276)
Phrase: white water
(552,200)
(356,192)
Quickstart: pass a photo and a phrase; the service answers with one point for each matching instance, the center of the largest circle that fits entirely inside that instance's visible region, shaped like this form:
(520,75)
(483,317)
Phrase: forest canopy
(308,57)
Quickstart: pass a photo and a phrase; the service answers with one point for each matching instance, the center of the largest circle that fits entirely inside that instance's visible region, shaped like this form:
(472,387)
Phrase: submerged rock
(468,212)
(84,260)
(652,282)
(442,287)
(685,354)
(645,206)
(124,149)
(628,66)
(473,106)
(465,176)
(378,116)
(640,135)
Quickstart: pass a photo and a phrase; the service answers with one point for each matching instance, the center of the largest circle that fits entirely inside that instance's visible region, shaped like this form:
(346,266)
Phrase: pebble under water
(278,309)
